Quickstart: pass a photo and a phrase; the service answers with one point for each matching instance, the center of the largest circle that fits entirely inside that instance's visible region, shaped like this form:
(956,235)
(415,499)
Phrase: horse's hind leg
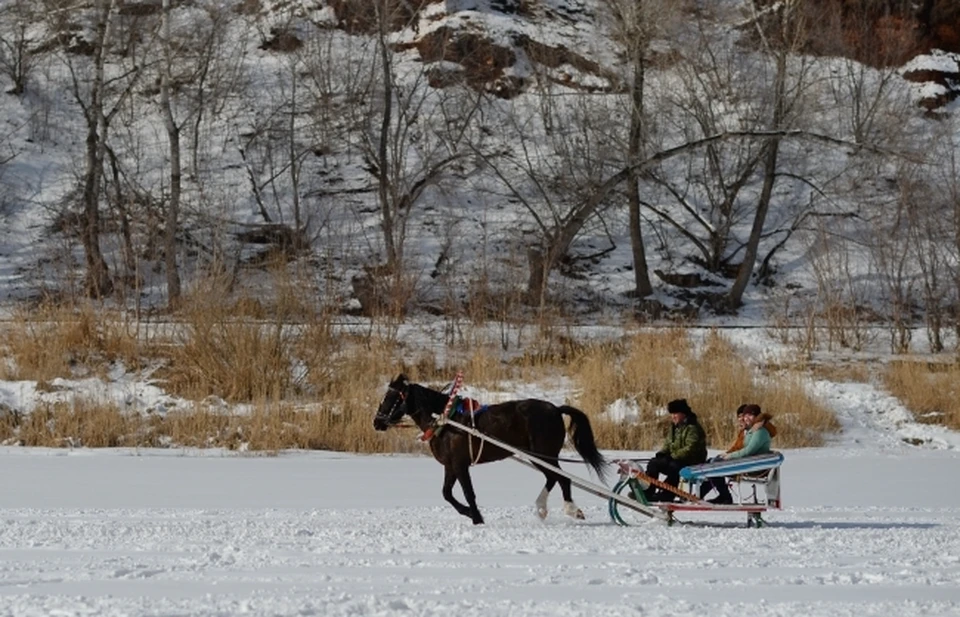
(542,497)
(569,507)
(449,478)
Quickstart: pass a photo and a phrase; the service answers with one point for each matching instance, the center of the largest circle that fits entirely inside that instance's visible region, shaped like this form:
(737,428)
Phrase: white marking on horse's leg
(571,509)
(542,503)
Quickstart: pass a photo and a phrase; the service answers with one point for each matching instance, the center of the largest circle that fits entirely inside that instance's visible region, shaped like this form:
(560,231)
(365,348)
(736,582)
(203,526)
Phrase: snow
(870,527)
(936,60)
(122,532)
(871,524)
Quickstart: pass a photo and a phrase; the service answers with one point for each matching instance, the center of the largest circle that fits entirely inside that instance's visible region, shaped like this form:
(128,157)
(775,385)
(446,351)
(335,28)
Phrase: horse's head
(394,404)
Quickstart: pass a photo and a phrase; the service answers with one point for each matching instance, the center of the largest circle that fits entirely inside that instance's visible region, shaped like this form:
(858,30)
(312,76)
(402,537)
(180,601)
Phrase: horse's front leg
(463,476)
(449,478)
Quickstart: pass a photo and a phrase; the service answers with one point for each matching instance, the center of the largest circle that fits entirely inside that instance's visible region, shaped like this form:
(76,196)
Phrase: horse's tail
(582,435)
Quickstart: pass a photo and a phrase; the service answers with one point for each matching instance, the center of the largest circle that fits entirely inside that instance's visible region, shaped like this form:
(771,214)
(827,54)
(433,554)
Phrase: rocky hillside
(353,167)
(496,45)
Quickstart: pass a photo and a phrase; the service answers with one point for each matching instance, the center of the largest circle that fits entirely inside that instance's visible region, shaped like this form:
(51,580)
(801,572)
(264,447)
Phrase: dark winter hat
(753,410)
(679,406)
(740,409)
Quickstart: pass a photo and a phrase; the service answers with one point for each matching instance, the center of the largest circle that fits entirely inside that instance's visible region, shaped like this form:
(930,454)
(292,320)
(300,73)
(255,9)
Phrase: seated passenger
(754,437)
(685,445)
(737,444)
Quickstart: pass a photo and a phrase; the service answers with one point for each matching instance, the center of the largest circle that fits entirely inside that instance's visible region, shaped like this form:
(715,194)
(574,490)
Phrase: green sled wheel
(632,489)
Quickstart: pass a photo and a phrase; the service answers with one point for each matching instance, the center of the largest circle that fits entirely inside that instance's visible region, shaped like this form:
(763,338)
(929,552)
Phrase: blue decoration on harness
(467,406)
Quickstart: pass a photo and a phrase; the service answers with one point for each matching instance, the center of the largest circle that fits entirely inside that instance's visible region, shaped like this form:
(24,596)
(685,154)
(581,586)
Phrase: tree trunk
(735,297)
(97,281)
(956,246)
(641,273)
(537,280)
(172,222)
(383,164)
(294,157)
(123,214)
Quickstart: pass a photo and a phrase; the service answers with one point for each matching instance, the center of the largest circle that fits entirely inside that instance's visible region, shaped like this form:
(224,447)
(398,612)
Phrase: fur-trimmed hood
(764,421)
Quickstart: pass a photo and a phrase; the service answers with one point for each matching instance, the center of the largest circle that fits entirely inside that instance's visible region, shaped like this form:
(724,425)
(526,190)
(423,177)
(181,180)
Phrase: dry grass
(299,383)
(266,427)
(91,424)
(858,372)
(48,341)
(242,352)
(271,427)
(930,391)
(651,368)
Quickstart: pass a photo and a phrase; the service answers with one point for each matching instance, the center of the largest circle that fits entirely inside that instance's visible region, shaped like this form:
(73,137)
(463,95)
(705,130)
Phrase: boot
(665,496)
(650,494)
(723,495)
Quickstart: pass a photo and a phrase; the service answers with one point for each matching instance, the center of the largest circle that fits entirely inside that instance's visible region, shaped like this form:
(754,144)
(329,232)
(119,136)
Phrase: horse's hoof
(579,515)
(478,521)
(542,513)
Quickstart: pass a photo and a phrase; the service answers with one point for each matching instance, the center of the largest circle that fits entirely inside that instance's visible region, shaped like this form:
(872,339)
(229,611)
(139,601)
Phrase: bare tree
(18,50)
(891,250)
(636,25)
(841,306)
(212,74)
(933,258)
(274,148)
(938,238)
(335,83)
(405,154)
(786,92)
(554,161)
(201,71)
(706,193)
(704,196)
(99,93)
(865,81)
(171,224)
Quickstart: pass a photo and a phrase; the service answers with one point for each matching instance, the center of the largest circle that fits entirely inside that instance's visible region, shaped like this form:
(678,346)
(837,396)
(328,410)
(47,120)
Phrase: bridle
(396,411)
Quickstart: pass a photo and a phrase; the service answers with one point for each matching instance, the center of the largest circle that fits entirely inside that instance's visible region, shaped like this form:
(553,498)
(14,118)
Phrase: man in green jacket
(685,445)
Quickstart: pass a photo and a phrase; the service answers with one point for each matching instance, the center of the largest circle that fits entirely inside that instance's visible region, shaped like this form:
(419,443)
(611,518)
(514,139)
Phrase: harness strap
(473,424)
(431,431)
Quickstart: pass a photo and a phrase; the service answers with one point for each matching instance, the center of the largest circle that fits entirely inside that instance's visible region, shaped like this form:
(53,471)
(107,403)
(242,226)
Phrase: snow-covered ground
(871,526)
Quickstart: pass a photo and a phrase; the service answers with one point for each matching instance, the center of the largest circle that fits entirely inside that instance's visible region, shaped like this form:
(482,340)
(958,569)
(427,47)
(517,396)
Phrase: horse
(532,425)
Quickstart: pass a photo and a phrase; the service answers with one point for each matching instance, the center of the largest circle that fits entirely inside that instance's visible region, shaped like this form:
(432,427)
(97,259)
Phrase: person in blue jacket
(756,440)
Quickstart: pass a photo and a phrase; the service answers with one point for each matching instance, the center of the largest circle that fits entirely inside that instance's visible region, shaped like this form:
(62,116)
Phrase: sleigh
(754,484)
(756,488)
(431,411)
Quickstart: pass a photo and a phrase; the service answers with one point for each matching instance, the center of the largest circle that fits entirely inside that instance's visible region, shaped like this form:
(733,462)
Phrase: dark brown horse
(531,425)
